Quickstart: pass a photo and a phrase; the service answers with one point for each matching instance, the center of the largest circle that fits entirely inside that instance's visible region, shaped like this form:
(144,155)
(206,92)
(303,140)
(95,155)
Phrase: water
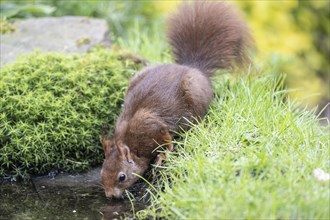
(63,197)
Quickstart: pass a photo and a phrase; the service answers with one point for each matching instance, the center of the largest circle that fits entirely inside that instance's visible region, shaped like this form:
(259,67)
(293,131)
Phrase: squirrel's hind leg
(197,92)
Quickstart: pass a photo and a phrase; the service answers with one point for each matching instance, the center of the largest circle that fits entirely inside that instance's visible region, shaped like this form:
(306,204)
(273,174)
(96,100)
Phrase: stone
(70,34)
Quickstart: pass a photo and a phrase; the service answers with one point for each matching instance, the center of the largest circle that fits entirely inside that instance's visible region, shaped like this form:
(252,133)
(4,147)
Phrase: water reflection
(62,197)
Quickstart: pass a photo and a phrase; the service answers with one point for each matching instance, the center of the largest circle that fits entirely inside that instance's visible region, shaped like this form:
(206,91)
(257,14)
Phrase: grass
(252,157)
(148,42)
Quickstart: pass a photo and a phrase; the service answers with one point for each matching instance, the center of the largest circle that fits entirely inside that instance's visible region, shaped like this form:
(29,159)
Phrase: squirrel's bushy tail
(208,35)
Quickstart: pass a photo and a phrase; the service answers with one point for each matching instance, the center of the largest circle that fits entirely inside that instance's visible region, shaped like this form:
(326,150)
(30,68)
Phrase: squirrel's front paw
(159,158)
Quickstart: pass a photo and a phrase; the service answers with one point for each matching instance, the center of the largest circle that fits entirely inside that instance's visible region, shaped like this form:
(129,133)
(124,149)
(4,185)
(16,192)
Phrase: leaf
(9,10)
(39,8)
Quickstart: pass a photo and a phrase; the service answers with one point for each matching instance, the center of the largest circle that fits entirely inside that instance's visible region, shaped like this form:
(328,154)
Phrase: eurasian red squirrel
(161,99)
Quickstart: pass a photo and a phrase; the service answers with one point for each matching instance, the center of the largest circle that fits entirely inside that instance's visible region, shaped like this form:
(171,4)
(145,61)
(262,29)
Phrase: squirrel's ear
(107,144)
(124,152)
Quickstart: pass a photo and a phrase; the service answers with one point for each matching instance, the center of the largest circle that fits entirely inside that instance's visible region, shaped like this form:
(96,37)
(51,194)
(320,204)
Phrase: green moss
(83,41)
(53,107)
(6,27)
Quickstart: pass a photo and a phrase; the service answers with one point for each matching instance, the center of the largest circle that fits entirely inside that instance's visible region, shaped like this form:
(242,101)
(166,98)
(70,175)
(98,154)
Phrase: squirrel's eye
(122,177)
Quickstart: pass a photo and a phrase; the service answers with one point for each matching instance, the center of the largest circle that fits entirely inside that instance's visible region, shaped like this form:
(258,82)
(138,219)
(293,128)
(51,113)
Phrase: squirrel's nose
(109,194)
(113,195)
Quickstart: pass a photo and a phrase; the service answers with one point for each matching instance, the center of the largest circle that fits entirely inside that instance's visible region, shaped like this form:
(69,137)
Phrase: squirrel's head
(119,167)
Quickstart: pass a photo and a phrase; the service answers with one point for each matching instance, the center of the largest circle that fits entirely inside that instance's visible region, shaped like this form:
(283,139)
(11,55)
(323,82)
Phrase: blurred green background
(292,36)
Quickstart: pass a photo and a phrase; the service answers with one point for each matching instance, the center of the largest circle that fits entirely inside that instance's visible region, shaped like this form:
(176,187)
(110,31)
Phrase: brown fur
(166,98)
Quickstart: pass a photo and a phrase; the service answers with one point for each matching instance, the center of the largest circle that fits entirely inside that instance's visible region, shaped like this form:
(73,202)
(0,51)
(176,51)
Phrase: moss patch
(53,107)
(6,27)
